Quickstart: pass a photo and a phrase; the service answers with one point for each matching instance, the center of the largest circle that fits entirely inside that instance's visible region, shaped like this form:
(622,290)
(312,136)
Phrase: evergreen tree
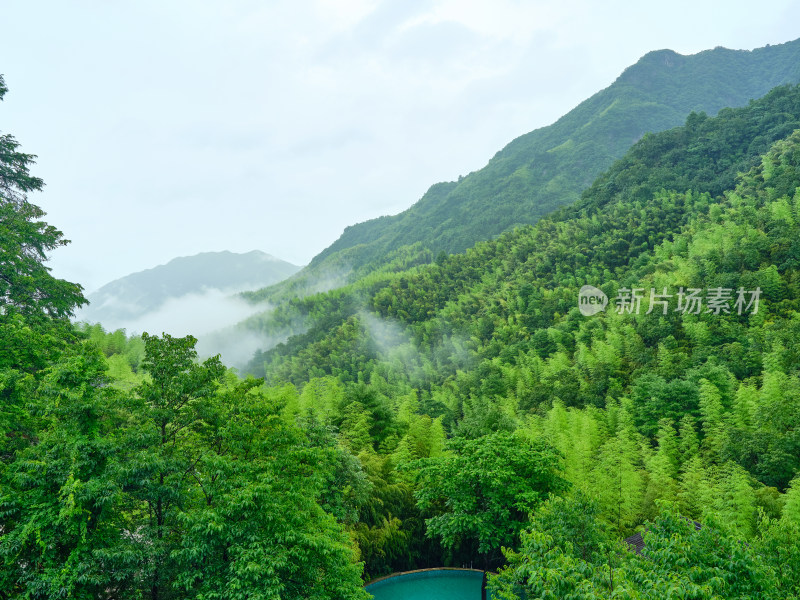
(26,286)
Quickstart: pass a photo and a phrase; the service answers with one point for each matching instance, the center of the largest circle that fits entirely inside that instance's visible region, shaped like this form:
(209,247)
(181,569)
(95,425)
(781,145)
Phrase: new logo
(591,300)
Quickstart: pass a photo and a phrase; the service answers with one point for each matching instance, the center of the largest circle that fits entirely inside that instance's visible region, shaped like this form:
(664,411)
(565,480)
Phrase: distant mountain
(549,167)
(126,299)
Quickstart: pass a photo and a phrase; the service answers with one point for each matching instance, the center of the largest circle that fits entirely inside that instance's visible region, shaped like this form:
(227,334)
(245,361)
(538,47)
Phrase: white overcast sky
(166,128)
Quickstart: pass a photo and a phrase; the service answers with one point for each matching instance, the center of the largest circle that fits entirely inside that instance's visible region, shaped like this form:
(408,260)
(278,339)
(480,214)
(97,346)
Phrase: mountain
(696,407)
(129,298)
(549,167)
(703,157)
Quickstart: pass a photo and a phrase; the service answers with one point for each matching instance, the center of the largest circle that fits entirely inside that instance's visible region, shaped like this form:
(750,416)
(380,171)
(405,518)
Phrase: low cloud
(193,314)
(235,346)
(388,336)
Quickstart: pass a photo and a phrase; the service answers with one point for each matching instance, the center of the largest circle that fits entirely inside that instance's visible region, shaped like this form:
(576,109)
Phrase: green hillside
(549,167)
(703,156)
(701,410)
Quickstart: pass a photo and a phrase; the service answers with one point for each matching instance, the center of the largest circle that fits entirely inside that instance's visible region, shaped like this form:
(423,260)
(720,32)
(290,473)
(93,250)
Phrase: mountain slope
(695,407)
(704,156)
(139,293)
(549,167)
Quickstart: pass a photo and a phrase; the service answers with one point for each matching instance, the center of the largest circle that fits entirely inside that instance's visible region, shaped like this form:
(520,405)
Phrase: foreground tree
(481,491)
(230,489)
(256,530)
(49,400)
(26,286)
(63,512)
(34,305)
(168,410)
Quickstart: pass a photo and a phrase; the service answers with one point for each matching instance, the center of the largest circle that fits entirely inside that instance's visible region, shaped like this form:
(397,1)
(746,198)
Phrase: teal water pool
(431,584)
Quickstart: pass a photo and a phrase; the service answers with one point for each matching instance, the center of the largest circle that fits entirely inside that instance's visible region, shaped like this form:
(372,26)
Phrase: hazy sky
(166,128)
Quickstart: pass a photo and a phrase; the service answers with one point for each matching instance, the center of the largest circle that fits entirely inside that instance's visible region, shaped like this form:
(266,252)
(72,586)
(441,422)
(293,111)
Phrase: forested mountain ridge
(549,167)
(704,156)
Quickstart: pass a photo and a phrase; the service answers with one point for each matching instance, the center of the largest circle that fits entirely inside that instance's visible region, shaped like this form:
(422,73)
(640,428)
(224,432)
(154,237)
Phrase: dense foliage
(566,554)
